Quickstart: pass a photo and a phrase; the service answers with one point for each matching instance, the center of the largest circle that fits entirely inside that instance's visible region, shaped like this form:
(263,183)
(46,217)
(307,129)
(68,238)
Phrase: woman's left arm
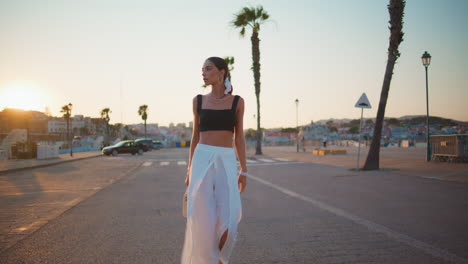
(239,143)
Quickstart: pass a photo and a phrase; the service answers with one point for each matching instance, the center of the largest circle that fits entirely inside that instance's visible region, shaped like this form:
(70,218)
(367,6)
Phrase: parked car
(157,145)
(147,144)
(126,146)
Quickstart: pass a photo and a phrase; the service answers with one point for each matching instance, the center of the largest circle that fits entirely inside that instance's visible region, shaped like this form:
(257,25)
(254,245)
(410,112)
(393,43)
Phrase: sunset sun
(22,95)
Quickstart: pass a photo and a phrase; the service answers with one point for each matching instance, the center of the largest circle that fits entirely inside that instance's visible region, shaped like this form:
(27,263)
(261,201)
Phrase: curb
(2,172)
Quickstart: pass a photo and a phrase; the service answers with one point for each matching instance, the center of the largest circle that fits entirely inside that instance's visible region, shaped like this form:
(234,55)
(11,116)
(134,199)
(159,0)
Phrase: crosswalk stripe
(266,160)
(251,161)
(164,163)
(147,163)
(181,163)
(281,159)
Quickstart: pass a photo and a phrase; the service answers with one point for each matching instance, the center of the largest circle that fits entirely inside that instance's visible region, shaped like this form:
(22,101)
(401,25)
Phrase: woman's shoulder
(196,97)
(241,100)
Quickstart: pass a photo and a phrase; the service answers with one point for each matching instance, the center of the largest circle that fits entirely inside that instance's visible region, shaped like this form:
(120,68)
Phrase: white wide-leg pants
(213,206)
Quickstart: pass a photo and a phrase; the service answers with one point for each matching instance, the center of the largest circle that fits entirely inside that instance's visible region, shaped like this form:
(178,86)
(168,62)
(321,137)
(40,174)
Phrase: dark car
(157,145)
(126,146)
(147,144)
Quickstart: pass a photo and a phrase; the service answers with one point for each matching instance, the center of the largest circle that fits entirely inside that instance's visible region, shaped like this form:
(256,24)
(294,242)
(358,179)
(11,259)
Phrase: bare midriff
(222,138)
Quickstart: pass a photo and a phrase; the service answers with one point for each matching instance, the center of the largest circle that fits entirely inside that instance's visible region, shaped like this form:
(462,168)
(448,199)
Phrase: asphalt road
(292,213)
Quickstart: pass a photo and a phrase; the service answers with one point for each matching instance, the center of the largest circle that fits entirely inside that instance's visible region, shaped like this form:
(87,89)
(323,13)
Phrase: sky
(123,54)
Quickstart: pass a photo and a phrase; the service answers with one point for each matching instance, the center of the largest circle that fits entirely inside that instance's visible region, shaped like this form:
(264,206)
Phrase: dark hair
(221,64)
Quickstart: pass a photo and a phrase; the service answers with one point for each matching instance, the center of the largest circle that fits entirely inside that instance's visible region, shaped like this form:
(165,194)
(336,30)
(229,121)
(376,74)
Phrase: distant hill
(424,116)
(335,120)
(410,117)
(413,119)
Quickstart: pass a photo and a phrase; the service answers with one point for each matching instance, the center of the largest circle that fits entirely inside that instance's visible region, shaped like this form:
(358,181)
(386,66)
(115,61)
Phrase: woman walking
(214,183)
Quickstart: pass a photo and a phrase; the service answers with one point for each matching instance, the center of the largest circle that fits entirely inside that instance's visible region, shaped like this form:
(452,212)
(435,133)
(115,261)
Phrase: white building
(315,131)
(59,125)
(78,122)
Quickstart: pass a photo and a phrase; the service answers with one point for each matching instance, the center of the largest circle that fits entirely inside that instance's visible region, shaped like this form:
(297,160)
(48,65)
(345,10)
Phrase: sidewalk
(403,161)
(24,164)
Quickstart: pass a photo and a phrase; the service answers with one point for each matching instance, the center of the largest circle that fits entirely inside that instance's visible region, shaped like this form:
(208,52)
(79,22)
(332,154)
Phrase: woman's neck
(217,90)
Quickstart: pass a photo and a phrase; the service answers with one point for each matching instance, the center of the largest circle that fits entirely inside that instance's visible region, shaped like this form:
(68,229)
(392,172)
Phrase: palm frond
(242,32)
(64,109)
(230,62)
(259,11)
(105,112)
(250,16)
(239,20)
(142,110)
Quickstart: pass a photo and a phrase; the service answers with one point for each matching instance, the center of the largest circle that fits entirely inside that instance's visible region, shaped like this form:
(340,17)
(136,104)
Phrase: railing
(449,147)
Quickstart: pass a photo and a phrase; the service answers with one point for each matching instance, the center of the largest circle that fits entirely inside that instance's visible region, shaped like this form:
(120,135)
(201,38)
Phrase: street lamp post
(426,60)
(71,129)
(297,126)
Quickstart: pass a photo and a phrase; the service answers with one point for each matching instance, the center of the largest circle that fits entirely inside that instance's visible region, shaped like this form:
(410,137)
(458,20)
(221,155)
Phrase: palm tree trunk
(373,157)
(68,130)
(145,128)
(107,133)
(396,10)
(256,72)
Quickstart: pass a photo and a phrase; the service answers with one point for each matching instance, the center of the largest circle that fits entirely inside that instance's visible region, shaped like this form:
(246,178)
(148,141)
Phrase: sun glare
(22,95)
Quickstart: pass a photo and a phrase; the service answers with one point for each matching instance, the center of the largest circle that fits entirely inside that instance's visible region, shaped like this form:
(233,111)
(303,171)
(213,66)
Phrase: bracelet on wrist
(244,173)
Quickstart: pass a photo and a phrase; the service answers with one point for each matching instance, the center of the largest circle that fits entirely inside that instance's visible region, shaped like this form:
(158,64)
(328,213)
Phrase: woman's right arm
(195,137)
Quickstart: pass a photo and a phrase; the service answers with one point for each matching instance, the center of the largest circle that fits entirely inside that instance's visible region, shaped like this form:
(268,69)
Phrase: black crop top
(211,119)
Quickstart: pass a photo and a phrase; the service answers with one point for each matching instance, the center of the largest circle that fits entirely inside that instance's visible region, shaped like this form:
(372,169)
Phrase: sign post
(362,103)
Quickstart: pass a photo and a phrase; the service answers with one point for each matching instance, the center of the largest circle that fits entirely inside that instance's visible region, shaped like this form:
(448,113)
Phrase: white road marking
(251,161)
(21,229)
(281,159)
(266,160)
(164,163)
(402,238)
(38,192)
(73,202)
(147,163)
(276,163)
(181,162)
(27,227)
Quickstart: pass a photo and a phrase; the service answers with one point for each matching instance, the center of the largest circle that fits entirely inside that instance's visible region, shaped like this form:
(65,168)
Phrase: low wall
(77,149)
(47,151)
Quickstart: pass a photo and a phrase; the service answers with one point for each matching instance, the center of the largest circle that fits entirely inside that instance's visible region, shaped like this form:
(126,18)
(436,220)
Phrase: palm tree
(66,111)
(105,116)
(143,112)
(66,115)
(396,10)
(253,18)
(230,63)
